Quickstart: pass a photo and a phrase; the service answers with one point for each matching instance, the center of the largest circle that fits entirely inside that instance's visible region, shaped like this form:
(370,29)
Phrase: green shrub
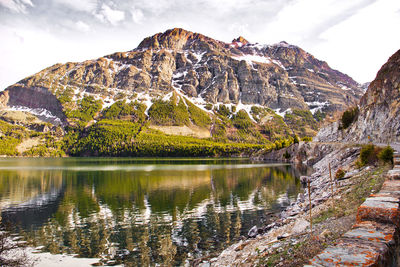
(208,106)
(348,117)
(386,155)
(224,110)
(340,174)
(368,155)
(306,139)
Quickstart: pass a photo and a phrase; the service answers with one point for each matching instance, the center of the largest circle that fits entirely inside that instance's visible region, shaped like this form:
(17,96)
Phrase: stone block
(394,174)
(380,209)
(382,193)
(374,231)
(355,252)
(391,185)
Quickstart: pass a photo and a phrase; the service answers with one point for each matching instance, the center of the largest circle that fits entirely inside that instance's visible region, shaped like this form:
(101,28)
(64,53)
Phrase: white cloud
(82,26)
(18,6)
(79,5)
(302,19)
(363,42)
(137,15)
(355,37)
(110,15)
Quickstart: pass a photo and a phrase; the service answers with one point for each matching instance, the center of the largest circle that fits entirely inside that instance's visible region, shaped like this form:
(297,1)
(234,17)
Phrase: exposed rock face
(280,76)
(378,119)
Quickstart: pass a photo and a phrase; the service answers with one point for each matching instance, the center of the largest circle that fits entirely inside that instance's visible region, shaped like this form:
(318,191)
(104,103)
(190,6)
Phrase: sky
(356,37)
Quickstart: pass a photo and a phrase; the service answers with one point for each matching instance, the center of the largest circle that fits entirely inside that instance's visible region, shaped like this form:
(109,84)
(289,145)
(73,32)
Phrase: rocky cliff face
(379,115)
(282,77)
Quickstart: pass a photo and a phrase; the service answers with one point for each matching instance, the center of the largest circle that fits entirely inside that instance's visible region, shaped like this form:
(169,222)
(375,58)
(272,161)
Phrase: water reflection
(140,212)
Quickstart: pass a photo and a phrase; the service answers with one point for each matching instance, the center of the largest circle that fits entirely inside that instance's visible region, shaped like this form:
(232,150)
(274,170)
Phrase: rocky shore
(292,229)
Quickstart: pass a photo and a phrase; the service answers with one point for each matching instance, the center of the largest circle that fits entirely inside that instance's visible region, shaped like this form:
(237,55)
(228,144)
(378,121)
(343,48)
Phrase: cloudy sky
(355,37)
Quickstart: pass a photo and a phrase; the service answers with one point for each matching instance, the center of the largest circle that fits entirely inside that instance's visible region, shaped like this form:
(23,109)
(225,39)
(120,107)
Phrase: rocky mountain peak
(204,71)
(241,40)
(176,39)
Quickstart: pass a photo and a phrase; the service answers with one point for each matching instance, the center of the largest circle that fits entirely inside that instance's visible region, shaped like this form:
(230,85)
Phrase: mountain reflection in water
(140,211)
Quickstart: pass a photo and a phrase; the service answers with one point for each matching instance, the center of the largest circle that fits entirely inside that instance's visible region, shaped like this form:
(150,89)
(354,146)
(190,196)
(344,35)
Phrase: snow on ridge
(253,58)
(316,105)
(179,75)
(282,113)
(277,62)
(199,56)
(247,108)
(292,79)
(40,112)
(343,86)
(257,46)
(146,99)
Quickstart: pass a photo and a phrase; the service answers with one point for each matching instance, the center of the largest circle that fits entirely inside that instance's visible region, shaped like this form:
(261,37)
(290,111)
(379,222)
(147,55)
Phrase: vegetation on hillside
(348,117)
(301,122)
(10,137)
(123,138)
(88,107)
(121,129)
(133,111)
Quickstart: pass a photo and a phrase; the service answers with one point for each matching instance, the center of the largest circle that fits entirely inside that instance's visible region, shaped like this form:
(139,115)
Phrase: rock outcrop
(207,71)
(379,116)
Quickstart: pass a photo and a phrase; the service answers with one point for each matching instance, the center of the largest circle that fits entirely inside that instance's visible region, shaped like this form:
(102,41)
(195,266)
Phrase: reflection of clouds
(148,168)
(28,188)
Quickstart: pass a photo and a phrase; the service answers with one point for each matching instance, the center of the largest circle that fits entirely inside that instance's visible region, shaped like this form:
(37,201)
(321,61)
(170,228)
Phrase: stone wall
(374,239)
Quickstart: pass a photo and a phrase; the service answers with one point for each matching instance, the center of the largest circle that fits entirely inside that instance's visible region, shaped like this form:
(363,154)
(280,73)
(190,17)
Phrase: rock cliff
(379,110)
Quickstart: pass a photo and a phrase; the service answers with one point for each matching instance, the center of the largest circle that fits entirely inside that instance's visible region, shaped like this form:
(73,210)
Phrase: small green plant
(348,117)
(208,106)
(368,155)
(306,139)
(340,174)
(386,155)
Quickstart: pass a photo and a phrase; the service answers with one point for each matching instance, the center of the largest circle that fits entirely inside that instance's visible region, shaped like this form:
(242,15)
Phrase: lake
(141,211)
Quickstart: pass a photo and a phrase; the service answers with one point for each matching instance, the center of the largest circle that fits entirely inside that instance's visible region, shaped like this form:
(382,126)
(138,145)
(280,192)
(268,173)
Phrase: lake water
(141,211)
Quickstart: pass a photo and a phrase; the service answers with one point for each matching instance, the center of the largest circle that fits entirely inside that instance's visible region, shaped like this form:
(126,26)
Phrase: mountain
(180,82)
(378,116)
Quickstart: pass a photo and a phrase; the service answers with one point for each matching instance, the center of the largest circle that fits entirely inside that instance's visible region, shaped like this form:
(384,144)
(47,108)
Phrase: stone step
(380,209)
(374,231)
(391,185)
(394,174)
(355,252)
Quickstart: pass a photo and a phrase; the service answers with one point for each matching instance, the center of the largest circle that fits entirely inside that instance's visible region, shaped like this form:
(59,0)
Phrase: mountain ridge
(238,91)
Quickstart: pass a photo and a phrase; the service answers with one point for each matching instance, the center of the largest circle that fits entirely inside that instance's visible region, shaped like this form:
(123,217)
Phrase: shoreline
(293,226)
